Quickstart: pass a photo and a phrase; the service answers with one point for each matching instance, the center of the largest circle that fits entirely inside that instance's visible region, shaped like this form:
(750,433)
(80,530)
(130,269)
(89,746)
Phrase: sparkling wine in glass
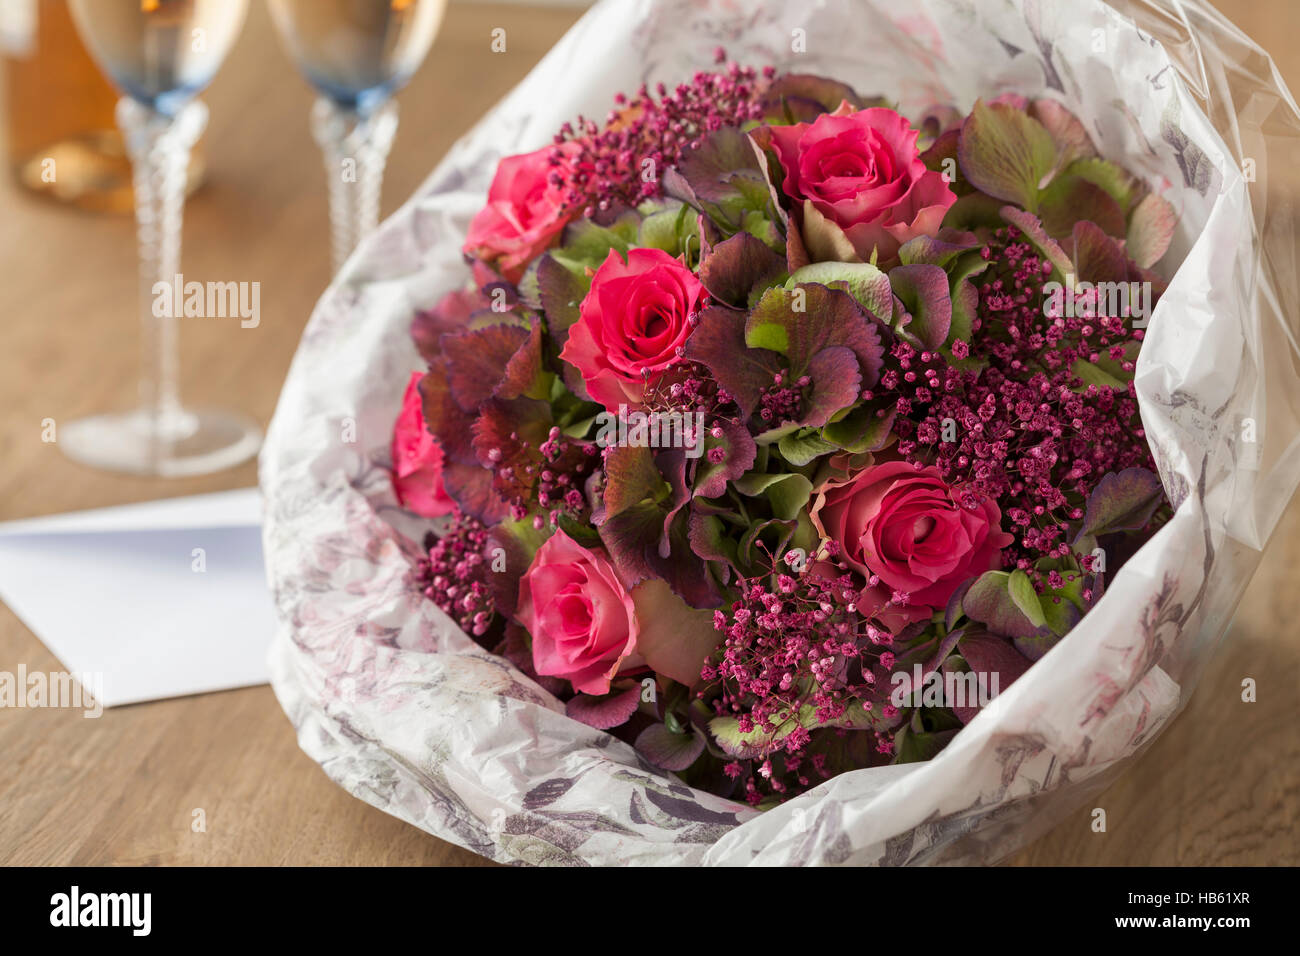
(161,54)
(357,54)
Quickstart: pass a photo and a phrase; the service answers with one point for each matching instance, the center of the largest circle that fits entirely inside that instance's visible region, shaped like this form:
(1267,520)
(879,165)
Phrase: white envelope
(158,599)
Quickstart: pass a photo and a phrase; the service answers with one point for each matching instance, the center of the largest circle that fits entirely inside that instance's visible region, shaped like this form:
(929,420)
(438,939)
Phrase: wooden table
(1220,786)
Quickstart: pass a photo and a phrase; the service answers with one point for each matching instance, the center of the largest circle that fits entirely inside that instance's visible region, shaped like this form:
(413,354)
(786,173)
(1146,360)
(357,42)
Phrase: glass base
(175,445)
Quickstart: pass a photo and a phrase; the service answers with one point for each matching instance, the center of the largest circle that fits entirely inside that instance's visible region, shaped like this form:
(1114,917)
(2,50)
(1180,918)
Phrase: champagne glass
(160,54)
(357,54)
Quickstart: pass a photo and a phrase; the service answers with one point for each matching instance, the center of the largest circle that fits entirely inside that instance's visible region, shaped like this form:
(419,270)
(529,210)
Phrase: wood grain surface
(1222,785)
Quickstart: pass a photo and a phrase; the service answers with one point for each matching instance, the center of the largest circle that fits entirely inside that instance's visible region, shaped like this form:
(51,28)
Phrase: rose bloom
(524,214)
(861,173)
(581,618)
(907,527)
(417,459)
(632,324)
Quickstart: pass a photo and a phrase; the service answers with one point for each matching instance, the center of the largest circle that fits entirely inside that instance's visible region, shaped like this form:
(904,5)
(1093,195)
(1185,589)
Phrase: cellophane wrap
(405,711)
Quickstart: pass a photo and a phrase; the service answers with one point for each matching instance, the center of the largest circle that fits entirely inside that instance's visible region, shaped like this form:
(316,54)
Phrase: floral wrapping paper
(406,712)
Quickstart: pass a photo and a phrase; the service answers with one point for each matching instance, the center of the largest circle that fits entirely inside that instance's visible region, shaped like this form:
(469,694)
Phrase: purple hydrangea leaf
(1122,501)
(471,487)
(936,251)
(796,253)
(1069,200)
(953,612)
(708,537)
(452,313)
(738,456)
(798,323)
(836,384)
(684,572)
(937,156)
(1005,153)
(1031,227)
(1037,644)
(924,293)
(446,420)
(802,97)
(630,537)
(1068,134)
(868,286)
(993,658)
(499,420)
(1097,257)
(476,360)
(718,343)
(1151,230)
(518,541)
(630,478)
(738,266)
(669,751)
(560,292)
(959,255)
(722,178)
(525,374)
(637,543)
(608,710)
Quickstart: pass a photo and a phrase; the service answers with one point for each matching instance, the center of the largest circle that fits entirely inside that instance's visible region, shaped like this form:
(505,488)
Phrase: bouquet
(776,432)
(772,475)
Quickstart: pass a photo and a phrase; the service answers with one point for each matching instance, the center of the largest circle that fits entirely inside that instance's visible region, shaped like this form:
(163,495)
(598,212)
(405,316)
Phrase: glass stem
(159,147)
(355,149)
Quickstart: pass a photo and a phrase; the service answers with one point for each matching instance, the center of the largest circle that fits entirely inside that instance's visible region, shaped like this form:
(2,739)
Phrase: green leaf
(867,284)
(1113,178)
(1006,153)
(668,750)
(1093,375)
(760,741)
(862,429)
(1025,598)
(788,493)
(587,245)
(672,227)
(799,450)
(1070,199)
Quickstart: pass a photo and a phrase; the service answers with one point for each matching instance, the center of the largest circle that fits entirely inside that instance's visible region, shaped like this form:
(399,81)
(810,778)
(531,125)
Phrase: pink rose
(580,616)
(524,215)
(417,459)
(860,183)
(632,324)
(907,527)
